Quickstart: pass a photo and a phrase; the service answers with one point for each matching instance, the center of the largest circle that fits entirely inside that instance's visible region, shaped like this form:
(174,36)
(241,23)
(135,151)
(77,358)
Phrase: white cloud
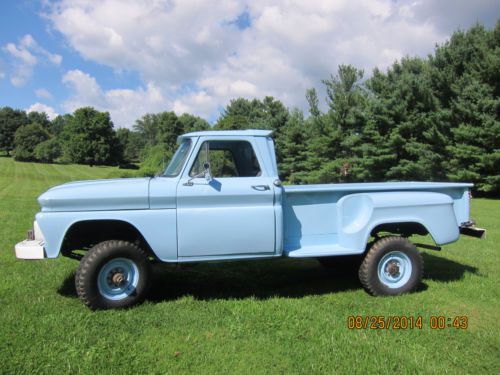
(193,57)
(450,15)
(85,88)
(24,66)
(40,107)
(27,54)
(124,105)
(43,94)
(168,41)
(2,69)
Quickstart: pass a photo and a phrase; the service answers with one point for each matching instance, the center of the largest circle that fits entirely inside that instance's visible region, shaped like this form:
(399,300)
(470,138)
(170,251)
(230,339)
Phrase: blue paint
(186,219)
(96,195)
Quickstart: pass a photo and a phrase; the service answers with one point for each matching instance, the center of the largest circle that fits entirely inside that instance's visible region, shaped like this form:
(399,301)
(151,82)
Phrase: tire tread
(88,262)
(369,260)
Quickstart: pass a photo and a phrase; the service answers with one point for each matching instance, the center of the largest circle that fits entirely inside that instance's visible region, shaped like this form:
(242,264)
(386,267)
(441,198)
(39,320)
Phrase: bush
(48,151)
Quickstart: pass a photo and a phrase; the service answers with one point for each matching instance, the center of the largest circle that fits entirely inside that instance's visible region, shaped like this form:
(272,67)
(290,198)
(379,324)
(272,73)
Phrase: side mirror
(206,171)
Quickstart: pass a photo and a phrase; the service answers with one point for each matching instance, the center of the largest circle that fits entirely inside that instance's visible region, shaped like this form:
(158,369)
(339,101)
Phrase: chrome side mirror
(206,173)
(206,169)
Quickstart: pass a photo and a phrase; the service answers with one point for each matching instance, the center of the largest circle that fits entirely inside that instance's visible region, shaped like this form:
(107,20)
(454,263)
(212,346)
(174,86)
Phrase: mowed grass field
(280,316)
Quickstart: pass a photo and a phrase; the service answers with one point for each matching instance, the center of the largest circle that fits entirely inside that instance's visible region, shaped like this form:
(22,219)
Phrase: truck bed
(317,216)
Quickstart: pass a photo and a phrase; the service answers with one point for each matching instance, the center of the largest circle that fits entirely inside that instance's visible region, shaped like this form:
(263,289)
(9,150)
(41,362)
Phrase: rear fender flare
(360,214)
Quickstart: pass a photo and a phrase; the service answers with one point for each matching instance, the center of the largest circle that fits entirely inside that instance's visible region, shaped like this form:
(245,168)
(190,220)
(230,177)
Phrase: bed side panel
(359,214)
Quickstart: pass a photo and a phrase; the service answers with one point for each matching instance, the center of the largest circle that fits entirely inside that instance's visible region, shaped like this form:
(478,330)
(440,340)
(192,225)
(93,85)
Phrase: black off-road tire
(382,252)
(87,274)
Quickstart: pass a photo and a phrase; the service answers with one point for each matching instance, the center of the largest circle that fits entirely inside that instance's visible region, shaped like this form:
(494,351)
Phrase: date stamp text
(403,322)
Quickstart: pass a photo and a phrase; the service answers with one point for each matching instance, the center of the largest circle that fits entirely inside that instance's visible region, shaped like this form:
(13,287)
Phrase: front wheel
(113,274)
(392,266)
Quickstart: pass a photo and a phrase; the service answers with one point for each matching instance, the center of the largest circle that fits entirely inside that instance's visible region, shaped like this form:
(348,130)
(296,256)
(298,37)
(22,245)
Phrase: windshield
(180,156)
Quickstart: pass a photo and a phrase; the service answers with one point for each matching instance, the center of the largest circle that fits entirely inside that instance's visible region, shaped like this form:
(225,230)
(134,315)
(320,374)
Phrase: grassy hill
(280,316)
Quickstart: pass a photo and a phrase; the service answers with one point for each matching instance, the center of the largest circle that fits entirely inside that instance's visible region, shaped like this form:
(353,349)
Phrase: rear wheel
(113,274)
(392,266)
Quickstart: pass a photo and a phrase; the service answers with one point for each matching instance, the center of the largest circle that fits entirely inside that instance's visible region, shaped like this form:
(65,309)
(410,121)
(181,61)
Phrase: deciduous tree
(10,121)
(26,139)
(89,138)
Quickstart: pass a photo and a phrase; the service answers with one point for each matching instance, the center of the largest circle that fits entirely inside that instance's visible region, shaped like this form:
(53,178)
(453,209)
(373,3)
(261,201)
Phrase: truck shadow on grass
(444,270)
(267,279)
(255,279)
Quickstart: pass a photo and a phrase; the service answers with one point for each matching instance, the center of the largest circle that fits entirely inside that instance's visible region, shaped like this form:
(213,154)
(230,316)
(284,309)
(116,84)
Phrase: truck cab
(228,195)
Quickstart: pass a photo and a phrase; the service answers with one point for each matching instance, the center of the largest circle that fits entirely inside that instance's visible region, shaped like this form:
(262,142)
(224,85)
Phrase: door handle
(261,187)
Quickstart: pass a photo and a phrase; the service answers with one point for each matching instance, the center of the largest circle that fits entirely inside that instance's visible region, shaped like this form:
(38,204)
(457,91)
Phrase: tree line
(430,119)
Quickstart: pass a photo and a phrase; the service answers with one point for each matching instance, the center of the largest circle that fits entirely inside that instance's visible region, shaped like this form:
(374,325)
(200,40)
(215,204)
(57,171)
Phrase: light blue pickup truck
(219,199)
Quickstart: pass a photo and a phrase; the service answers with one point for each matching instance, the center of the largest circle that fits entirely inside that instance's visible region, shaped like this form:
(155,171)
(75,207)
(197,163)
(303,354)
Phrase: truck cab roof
(226,133)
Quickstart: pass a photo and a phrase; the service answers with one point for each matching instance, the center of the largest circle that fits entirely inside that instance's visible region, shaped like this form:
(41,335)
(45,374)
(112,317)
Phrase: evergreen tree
(332,145)
(293,146)
(466,72)
(407,114)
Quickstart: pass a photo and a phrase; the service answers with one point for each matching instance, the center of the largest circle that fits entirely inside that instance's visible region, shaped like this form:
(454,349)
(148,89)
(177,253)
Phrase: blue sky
(21,18)
(131,58)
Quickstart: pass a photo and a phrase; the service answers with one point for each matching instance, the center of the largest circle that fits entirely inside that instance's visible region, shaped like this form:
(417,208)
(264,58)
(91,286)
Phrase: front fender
(359,214)
(158,227)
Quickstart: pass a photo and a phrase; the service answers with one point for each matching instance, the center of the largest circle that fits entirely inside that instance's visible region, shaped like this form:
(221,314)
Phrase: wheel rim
(394,269)
(118,279)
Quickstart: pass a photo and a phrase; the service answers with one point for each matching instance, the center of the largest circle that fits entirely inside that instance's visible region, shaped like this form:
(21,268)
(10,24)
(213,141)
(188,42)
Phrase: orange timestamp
(403,322)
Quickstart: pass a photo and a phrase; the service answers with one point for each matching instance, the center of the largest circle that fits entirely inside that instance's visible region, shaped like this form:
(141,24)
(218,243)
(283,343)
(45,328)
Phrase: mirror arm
(206,171)
(190,181)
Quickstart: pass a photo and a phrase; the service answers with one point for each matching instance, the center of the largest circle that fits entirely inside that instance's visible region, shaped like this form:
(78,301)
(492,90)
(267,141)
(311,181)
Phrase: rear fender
(360,214)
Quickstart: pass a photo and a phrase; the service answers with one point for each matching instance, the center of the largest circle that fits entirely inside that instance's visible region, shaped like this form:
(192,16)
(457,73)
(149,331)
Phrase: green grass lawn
(281,316)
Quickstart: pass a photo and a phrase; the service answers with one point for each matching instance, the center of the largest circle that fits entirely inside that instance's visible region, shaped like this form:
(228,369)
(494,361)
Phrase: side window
(227,159)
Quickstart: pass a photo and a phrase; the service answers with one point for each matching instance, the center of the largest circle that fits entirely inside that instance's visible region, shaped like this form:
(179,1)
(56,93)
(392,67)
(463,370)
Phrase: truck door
(233,213)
